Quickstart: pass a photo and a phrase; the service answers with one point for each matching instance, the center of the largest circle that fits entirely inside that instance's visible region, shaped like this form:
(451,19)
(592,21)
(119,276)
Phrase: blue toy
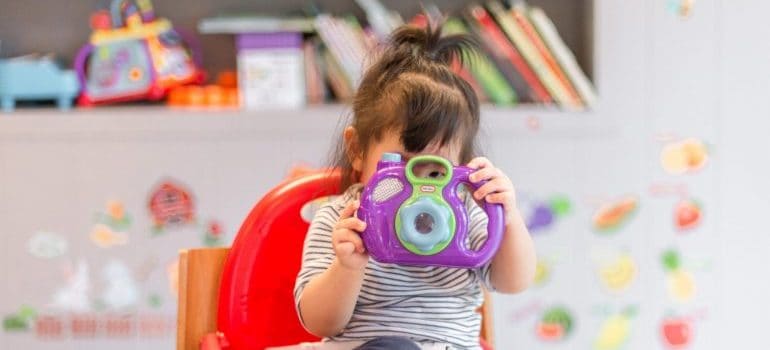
(32,79)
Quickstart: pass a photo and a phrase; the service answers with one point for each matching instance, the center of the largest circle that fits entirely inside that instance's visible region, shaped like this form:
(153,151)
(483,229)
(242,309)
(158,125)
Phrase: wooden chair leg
(487,328)
(200,271)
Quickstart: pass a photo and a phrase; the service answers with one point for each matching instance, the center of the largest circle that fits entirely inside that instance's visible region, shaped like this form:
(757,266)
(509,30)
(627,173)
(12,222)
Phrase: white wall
(703,77)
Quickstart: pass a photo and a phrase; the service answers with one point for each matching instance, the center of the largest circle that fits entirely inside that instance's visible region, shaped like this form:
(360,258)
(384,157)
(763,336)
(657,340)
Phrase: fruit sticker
(104,237)
(170,205)
(615,330)
(155,301)
(687,215)
(213,234)
(617,273)
(110,226)
(114,216)
(682,8)
(542,272)
(533,123)
(676,332)
(543,214)
(613,215)
(47,245)
(555,325)
(21,320)
(684,157)
(680,283)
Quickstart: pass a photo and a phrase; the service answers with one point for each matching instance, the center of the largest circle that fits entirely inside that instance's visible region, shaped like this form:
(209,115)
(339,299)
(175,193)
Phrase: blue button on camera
(424,224)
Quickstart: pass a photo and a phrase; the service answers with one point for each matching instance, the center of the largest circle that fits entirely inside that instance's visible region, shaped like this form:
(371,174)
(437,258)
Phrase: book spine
(332,35)
(340,85)
(501,46)
(463,73)
(519,13)
(563,55)
(495,86)
(530,54)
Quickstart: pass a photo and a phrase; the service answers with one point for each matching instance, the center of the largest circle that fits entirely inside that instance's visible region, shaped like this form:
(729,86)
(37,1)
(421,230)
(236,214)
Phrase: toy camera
(132,55)
(413,220)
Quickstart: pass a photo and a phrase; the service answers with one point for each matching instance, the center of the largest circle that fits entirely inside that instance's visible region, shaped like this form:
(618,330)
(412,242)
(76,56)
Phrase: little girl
(409,102)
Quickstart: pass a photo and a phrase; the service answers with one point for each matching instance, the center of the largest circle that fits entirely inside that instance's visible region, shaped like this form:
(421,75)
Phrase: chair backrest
(256,302)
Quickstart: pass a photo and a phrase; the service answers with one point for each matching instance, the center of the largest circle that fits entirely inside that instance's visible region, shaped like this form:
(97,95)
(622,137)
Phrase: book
(337,80)
(563,55)
(314,82)
(457,66)
(345,46)
(531,55)
(494,84)
(520,14)
(522,78)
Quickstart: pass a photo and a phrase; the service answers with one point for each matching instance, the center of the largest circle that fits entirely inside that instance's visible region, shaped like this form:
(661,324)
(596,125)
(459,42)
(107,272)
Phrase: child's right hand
(346,239)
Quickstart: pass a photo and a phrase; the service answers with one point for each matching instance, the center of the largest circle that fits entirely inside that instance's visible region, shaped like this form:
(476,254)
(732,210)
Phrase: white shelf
(101,122)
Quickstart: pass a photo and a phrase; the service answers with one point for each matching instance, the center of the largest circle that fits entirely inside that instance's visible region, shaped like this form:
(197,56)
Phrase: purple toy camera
(413,220)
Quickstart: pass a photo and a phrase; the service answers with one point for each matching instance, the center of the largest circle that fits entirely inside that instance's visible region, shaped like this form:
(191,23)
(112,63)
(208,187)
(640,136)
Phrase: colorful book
(563,55)
(457,66)
(523,79)
(520,15)
(345,42)
(531,56)
(338,82)
(314,83)
(495,86)
(466,75)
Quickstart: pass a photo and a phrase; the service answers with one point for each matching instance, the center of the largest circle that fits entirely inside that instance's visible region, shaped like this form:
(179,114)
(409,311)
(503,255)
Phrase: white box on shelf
(271,70)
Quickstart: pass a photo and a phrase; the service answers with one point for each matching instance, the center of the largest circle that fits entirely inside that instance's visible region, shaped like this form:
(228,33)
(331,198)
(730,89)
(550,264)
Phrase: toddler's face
(391,143)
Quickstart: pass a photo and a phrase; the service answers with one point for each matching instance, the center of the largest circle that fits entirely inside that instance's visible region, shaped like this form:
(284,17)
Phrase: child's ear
(352,148)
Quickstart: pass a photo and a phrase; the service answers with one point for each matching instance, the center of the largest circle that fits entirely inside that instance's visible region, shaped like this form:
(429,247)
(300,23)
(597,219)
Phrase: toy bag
(132,55)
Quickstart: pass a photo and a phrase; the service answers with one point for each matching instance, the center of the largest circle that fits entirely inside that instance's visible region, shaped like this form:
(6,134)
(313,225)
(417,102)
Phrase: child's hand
(498,189)
(346,240)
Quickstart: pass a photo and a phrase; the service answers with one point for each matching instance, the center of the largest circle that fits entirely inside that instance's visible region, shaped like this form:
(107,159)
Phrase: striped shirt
(426,304)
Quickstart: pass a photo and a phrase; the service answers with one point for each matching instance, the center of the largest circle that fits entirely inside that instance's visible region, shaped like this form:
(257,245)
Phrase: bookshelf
(573,19)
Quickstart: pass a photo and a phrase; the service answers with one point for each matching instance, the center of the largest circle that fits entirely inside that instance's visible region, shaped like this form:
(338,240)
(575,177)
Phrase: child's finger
(494,186)
(479,162)
(349,210)
(484,174)
(345,248)
(497,198)
(352,223)
(350,237)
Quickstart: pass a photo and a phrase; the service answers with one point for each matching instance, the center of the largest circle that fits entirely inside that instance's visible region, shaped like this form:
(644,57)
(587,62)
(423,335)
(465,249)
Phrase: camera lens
(424,223)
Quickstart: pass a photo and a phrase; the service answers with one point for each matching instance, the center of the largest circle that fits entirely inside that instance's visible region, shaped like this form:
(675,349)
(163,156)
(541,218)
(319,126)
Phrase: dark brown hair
(411,89)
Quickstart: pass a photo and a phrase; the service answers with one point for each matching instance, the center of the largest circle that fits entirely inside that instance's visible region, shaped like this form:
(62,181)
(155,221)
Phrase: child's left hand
(499,188)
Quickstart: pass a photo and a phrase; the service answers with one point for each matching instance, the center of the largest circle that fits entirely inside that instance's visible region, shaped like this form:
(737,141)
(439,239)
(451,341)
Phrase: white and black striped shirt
(426,304)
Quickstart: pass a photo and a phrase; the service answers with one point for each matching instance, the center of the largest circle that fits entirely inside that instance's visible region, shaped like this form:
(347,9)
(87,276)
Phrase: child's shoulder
(330,207)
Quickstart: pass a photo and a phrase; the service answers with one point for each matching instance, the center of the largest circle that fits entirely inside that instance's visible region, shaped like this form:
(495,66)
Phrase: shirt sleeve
(477,236)
(317,253)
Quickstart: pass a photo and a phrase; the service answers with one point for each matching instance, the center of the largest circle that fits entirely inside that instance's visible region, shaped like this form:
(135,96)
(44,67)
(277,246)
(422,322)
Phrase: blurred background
(632,130)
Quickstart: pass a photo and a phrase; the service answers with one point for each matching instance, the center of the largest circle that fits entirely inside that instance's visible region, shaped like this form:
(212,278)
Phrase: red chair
(242,297)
